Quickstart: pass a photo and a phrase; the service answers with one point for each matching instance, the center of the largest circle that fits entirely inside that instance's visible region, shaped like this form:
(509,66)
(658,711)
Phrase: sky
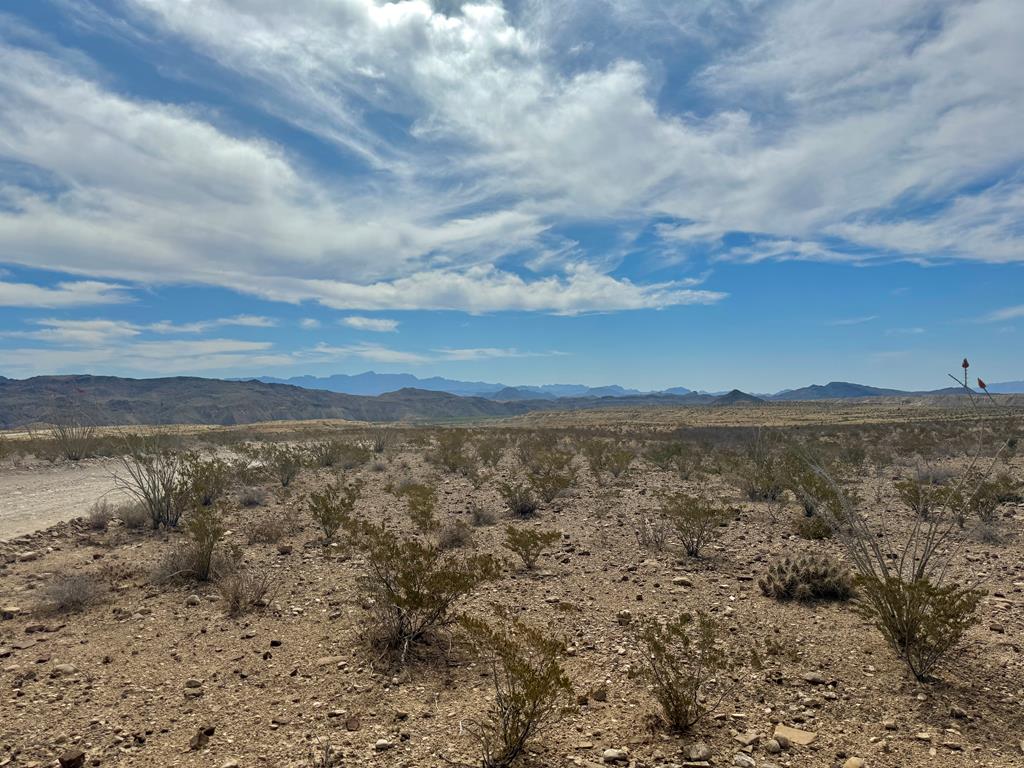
(712,194)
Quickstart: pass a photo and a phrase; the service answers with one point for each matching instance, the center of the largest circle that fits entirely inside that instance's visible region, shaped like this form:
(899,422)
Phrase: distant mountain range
(373,384)
(103,400)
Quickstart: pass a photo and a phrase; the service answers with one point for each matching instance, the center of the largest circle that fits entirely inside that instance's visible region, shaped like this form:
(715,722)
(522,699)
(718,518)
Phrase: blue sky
(644,192)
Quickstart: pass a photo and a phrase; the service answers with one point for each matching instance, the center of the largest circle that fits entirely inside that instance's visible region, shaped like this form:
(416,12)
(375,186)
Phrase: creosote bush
(283,462)
(332,507)
(695,519)
(482,516)
(205,530)
(450,451)
(421,501)
(100,515)
(518,499)
(807,578)
(531,689)
(811,527)
(529,544)
(454,534)
(202,481)
(413,585)
(922,621)
(550,473)
(651,532)
(681,657)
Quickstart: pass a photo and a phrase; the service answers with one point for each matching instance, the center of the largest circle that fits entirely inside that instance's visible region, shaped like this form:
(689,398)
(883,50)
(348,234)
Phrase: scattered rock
(786,736)
(743,760)
(747,739)
(383,745)
(615,756)
(73,758)
(202,738)
(854,762)
(772,747)
(699,752)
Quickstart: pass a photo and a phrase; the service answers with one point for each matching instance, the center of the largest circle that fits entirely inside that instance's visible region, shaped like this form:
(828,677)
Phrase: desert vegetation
(531,592)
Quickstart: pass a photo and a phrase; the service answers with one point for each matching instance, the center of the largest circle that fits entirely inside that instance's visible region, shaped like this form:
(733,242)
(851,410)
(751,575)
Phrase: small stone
(193,683)
(230,763)
(786,735)
(201,738)
(73,758)
(772,747)
(63,670)
(383,745)
(743,760)
(624,617)
(601,694)
(615,756)
(699,752)
(923,736)
(747,739)
(815,678)
(192,600)
(854,762)
(682,581)
(28,557)
(889,725)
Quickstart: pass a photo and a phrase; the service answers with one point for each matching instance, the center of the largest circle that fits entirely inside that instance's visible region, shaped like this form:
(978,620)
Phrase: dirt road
(35,498)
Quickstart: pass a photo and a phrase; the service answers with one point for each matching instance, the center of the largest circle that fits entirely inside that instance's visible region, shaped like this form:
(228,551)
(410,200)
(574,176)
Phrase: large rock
(73,758)
(786,735)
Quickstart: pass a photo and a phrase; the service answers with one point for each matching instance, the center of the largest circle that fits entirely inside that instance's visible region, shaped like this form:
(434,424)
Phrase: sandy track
(32,499)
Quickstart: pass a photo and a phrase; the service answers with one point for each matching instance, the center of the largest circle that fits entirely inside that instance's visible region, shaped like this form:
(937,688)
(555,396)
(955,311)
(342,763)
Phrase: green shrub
(245,589)
(153,479)
(203,481)
(332,507)
(806,578)
(812,527)
(490,449)
(413,585)
(550,473)
(529,544)
(681,657)
(651,532)
(532,691)
(518,499)
(482,516)
(100,515)
(205,530)
(450,451)
(283,462)
(73,441)
(421,500)
(696,520)
(921,621)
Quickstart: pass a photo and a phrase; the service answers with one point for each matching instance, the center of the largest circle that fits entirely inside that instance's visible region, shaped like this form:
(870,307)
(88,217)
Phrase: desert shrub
(922,621)
(421,501)
(684,458)
(100,515)
(812,527)
(550,473)
(205,530)
(73,593)
(695,519)
(983,497)
(325,454)
(758,472)
(381,440)
(529,544)
(413,585)
(245,589)
(203,481)
(681,657)
(806,578)
(490,449)
(532,690)
(133,515)
(518,499)
(335,453)
(252,496)
(922,495)
(332,507)
(482,516)
(154,479)
(454,535)
(282,462)
(73,441)
(596,453)
(267,529)
(619,460)
(651,532)
(450,450)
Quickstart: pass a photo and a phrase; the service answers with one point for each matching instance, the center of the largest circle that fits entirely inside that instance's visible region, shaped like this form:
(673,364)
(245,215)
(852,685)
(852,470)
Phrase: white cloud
(854,320)
(309,323)
(375,324)
(84,293)
(1004,314)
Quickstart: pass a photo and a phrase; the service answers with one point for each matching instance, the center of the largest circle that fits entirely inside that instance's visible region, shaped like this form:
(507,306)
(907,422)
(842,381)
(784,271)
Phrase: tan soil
(275,681)
(36,497)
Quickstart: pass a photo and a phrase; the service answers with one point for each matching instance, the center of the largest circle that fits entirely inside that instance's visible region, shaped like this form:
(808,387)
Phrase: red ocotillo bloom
(981,383)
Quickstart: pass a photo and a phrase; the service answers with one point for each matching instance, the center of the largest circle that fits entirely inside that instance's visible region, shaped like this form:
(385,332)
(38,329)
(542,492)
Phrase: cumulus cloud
(466,140)
(375,324)
(83,293)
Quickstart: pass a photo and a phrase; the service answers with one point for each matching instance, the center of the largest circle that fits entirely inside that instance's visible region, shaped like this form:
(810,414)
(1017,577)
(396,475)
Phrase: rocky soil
(161,676)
